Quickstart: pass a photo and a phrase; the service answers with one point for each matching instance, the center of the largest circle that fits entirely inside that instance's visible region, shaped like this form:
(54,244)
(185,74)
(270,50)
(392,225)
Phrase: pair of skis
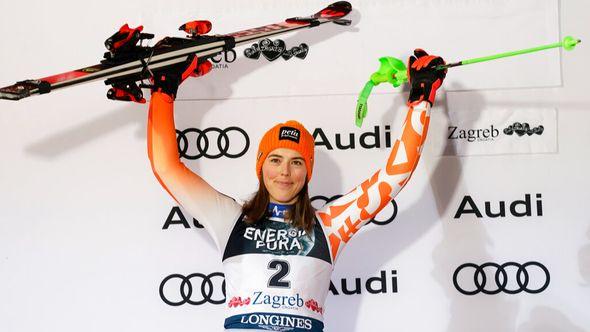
(127,63)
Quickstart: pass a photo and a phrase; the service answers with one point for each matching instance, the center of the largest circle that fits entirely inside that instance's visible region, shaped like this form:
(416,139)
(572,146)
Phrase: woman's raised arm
(343,217)
(215,211)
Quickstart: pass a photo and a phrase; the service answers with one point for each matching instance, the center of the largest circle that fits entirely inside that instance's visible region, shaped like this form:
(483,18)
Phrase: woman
(278,253)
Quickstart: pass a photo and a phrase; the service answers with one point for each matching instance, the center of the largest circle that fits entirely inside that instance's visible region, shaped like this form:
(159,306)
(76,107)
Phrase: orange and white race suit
(277,276)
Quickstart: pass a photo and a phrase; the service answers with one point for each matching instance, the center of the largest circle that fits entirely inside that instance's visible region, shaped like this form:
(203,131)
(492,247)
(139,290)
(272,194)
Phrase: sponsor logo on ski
(518,208)
(385,217)
(273,49)
(90,69)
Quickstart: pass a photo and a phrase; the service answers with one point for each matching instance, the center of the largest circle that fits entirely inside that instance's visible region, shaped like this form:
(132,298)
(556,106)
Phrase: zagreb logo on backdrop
(212,143)
(499,131)
(492,132)
(472,135)
(273,49)
(493,278)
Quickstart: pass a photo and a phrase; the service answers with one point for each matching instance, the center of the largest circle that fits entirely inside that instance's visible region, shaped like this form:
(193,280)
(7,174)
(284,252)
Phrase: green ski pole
(568,44)
(393,70)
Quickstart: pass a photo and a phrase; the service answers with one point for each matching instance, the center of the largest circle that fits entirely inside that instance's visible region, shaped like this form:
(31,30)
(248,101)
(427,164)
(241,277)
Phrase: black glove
(168,80)
(423,77)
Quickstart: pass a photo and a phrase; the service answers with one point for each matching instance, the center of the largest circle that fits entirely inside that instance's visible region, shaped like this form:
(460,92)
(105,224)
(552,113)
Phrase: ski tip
(24,89)
(14,92)
(332,13)
(336,10)
(10,96)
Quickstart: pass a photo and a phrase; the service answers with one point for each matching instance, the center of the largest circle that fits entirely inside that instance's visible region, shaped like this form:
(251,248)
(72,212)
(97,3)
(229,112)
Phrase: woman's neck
(278,211)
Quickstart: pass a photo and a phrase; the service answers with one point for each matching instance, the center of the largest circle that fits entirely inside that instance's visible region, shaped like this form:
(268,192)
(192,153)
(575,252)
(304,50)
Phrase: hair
(301,216)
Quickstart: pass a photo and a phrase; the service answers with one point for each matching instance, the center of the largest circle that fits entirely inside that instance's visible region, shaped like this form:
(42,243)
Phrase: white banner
(500,131)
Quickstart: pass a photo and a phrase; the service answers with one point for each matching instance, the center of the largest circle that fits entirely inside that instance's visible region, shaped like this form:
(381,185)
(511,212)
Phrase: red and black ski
(128,62)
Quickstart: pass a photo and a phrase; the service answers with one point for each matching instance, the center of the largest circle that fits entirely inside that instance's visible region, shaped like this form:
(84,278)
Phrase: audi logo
(177,289)
(380,222)
(195,143)
(510,278)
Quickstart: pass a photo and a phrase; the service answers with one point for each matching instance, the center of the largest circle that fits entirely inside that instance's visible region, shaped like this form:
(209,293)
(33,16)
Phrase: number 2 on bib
(282,268)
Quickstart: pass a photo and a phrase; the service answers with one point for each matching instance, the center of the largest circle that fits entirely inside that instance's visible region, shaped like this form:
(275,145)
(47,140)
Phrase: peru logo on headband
(289,133)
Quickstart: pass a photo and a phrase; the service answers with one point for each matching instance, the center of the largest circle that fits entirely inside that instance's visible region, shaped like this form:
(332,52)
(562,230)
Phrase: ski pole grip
(361,105)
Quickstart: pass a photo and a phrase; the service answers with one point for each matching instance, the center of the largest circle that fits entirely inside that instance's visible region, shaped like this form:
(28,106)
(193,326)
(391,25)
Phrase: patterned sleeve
(215,211)
(343,217)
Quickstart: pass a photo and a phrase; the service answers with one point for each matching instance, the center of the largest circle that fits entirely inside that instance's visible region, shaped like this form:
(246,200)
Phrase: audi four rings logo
(212,143)
(380,222)
(510,278)
(195,289)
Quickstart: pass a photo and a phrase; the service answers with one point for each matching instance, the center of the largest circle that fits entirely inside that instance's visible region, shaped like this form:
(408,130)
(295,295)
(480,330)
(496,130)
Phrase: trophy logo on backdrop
(272,50)
(521,129)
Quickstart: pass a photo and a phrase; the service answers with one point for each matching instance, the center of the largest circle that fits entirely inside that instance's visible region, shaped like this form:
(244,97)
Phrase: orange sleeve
(343,217)
(214,210)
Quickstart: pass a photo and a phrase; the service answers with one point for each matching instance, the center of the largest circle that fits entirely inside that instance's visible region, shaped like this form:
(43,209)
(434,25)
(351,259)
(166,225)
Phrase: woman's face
(284,173)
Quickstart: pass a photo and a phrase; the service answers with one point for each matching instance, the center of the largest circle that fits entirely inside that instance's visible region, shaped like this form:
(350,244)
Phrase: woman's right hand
(423,76)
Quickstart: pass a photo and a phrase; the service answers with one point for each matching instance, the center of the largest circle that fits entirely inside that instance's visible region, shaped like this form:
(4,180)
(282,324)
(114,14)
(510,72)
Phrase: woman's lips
(283,184)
